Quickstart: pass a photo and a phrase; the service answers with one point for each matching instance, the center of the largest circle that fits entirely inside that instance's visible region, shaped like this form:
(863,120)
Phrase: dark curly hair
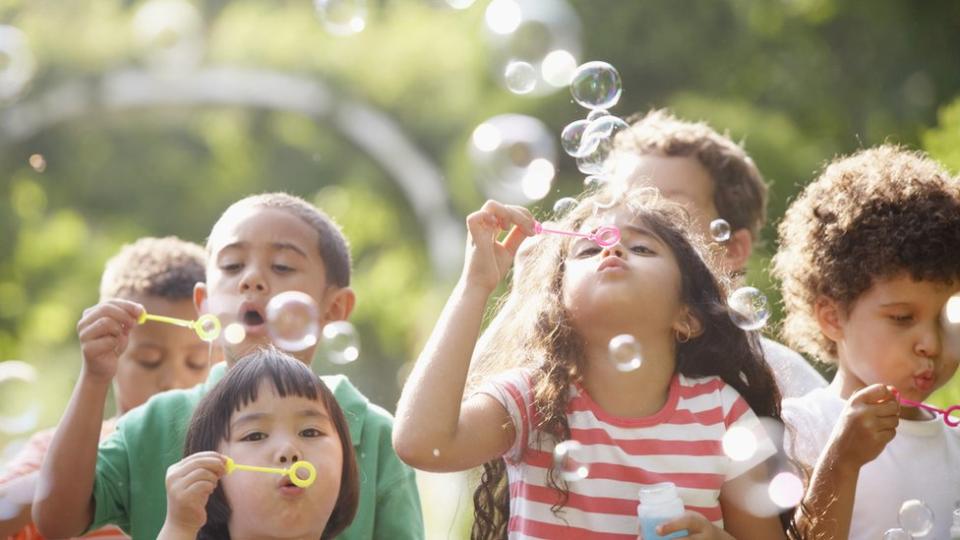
(536,333)
(873,215)
(740,194)
(164,267)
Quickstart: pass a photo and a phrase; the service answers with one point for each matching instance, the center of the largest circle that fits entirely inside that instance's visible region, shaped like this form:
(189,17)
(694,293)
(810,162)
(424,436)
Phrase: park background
(125,118)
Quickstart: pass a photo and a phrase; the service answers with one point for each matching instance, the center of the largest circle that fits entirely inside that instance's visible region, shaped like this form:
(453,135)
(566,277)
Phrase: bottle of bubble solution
(659,503)
(955,528)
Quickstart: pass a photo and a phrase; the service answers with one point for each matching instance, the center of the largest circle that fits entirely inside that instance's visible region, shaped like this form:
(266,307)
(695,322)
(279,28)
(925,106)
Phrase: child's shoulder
(817,407)
(163,409)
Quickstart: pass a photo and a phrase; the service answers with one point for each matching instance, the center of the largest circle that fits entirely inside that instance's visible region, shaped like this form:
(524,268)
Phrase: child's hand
(104,330)
(488,260)
(189,484)
(868,422)
(696,525)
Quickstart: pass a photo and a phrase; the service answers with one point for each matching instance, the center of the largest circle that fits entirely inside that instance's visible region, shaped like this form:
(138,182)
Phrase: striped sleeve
(512,389)
(738,414)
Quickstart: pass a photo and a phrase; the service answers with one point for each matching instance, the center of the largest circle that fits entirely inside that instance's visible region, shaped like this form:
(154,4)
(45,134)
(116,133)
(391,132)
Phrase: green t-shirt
(129,488)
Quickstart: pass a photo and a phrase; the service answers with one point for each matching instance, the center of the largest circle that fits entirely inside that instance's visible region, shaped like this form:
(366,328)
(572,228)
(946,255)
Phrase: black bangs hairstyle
(210,426)
(533,330)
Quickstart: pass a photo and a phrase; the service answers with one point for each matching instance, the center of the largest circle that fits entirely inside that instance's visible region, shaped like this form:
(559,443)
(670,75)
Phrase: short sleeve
(512,389)
(737,414)
(111,484)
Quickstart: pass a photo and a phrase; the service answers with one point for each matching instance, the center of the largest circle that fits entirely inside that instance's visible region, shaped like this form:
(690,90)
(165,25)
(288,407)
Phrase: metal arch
(369,129)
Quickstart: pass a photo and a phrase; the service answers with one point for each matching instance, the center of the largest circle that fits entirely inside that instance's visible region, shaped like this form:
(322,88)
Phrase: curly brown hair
(536,333)
(873,215)
(164,267)
(740,194)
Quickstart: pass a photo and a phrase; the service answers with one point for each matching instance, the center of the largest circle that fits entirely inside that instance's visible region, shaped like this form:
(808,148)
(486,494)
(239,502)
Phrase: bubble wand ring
(947,413)
(207,326)
(290,471)
(605,236)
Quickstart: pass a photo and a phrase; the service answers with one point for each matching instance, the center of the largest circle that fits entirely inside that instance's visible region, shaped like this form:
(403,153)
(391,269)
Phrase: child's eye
(901,319)
(311,432)
(253,437)
(149,364)
(282,268)
(231,267)
(588,251)
(640,248)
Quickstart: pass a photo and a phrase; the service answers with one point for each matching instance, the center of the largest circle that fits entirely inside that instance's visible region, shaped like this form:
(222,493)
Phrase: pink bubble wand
(947,418)
(605,236)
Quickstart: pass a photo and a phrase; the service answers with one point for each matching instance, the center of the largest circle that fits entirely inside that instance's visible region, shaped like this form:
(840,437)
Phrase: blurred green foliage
(798,81)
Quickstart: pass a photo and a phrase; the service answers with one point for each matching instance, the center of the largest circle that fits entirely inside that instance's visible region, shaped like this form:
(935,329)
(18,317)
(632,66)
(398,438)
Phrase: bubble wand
(289,471)
(947,418)
(605,236)
(207,326)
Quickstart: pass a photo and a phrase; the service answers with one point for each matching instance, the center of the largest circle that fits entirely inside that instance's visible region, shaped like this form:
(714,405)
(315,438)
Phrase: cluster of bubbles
(293,322)
(597,87)
(514,158)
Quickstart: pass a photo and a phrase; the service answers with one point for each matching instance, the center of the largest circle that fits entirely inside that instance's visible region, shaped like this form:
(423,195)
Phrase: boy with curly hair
(713,177)
(160,274)
(869,257)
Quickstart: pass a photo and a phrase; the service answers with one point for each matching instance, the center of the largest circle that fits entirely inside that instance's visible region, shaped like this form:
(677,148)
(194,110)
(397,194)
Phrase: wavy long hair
(533,330)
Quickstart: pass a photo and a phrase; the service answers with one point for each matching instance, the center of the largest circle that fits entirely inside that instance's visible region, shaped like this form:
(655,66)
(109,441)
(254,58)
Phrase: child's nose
(253,279)
(928,346)
(615,249)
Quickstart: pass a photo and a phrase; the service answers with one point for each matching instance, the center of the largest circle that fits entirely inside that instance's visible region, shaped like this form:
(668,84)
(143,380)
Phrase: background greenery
(799,81)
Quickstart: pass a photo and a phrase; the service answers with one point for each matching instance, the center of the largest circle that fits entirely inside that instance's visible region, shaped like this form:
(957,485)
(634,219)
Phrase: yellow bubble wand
(290,471)
(207,326)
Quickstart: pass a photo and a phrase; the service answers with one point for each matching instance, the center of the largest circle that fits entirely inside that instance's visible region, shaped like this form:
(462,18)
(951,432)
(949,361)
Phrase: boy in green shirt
(261,246)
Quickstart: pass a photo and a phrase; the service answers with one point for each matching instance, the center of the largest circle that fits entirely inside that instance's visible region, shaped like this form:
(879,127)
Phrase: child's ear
(688,324)
(340,302)
(738,249)
(200,297)
(829,318)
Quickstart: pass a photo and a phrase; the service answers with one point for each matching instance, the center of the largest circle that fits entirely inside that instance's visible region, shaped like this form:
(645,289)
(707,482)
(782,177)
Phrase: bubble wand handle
(290,471)
(604,236)
(948,418)
(144,317)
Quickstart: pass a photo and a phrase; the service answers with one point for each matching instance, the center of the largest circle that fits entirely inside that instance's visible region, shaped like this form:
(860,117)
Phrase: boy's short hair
(334,248)
(872,215)
(740,194)
(163,267)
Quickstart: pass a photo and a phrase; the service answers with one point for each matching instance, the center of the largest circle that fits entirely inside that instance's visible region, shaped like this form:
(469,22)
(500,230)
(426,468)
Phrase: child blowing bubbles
(869,255)
(271,411)
(661,422)
(261,246)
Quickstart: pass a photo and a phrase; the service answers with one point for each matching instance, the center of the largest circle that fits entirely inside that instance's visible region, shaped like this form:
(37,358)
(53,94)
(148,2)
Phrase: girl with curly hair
(543,377)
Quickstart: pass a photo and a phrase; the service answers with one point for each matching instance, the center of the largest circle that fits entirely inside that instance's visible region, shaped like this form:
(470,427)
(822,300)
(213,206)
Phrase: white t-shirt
(795,376)
(681,444)
(922,462)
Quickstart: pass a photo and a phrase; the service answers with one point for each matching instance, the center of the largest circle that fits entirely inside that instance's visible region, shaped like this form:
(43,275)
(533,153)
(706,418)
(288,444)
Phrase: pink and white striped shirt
(682,443)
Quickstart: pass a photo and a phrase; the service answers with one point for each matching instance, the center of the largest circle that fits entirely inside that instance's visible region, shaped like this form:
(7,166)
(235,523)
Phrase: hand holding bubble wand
(301,473)
(207,326)
(605,236)
(947,413)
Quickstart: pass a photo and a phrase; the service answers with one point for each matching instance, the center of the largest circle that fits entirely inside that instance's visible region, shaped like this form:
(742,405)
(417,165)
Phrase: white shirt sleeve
(512,389)
(795,376)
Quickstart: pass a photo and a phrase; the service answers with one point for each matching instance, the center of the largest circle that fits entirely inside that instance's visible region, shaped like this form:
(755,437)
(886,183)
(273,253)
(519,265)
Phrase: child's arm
(189,485)
(63,503)
(869,421)
(432,430)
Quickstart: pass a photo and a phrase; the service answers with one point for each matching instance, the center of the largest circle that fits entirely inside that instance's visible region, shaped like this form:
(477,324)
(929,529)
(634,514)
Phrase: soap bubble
(19,410)
(915,517)
(596,113)
(293,320)
(896,534)
(739,443)
(596,85)
(572,135)
(562,206)
(17,65)
(597,143)
(234,333)
(341,342)
(748,308)
(520,77)
(625,353)
(514,158)
(342,17)
(786,490)
(568,460)
(720,230)
(558,68)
